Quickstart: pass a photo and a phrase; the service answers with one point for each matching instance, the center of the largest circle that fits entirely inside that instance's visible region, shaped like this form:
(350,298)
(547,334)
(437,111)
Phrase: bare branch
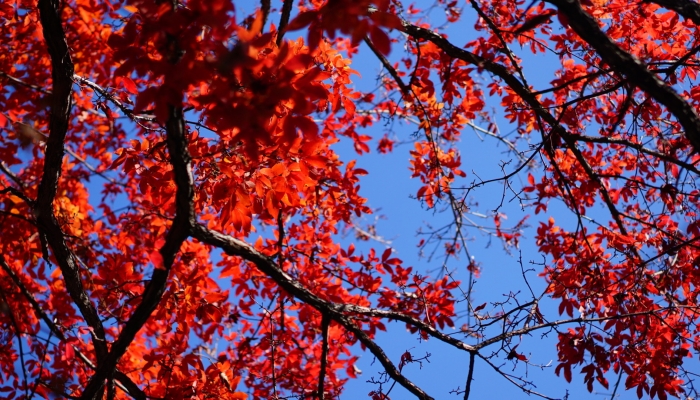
(113,99)
(510,378)
(526,94)
(178,233)
(639,147)
(4,168)
(265,9)
(19,82)
(470,375)
(580,320)
(284,20)
(389,367)
(638,74)
(325,323)
(336,311)
(62,74)
(688,9)
(125,383)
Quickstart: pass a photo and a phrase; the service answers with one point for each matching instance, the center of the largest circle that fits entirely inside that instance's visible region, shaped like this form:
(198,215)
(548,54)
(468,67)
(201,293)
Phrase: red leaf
(156,259)
(563,19)
(386,254)
(302,20)
(380,40)
(69,354)
(129,85)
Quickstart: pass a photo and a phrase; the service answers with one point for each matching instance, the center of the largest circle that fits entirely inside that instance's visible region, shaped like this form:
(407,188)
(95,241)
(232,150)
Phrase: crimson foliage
(208,126)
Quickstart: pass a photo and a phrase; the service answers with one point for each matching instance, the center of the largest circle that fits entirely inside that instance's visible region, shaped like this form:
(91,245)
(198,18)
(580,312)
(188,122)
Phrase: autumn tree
(173,201)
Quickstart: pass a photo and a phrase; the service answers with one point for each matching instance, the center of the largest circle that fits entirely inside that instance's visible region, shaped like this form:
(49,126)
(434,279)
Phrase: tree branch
(325,323)
(265,9)
(284,20)
(580,320)
(389,367)
(4,168)
(336,312)
(19,82)
(13,321)
(125,383)
(626,64)
(236,247)
(62,74)
(687,8)
(104,93)
(639,147)
(470,375)
(179,231)
(526,94)
(522,384)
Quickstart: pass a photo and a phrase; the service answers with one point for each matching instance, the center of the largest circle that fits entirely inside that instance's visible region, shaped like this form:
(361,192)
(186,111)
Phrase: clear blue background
(389,189)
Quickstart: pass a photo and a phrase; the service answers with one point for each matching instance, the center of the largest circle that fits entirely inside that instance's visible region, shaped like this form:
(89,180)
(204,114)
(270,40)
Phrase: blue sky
(399,217)
(389,189)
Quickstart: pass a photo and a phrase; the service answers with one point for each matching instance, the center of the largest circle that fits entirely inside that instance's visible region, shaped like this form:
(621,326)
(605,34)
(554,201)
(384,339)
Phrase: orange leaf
(302,20)
(246,35)
(156,259)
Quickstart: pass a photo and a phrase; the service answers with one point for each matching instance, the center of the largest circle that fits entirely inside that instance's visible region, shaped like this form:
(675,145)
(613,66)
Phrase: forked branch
(629,66)
(49,227)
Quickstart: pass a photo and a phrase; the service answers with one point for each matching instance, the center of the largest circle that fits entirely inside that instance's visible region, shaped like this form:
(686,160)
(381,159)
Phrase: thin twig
(104,93)
(511,380)
(280,261)
(20,82)
(18,333)
(91,168)
(4,168)
(272,356)
(325,323)
(125,383)
(470,375)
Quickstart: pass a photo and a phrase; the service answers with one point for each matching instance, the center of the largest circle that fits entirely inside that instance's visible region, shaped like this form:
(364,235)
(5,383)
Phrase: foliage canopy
(142,138)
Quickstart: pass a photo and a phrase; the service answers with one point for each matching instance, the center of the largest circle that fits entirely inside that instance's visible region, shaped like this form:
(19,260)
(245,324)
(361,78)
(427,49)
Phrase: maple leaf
(176,186)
